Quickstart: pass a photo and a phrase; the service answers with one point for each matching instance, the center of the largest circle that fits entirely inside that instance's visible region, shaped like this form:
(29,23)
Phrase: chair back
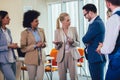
(81,52)
(20,53)
(53,53)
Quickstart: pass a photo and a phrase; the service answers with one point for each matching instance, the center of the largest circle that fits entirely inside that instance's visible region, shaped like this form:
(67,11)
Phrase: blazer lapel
(9,35)
(62,35)
(70,33)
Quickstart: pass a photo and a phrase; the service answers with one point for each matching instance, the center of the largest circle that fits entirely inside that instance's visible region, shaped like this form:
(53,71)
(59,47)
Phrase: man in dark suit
(92,38)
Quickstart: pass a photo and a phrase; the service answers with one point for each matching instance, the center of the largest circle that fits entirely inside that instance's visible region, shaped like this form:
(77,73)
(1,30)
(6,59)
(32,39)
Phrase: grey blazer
(59,36)
(4,47)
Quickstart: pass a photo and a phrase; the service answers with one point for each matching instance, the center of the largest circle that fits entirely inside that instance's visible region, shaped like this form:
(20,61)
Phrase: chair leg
(47,75)
(84,72)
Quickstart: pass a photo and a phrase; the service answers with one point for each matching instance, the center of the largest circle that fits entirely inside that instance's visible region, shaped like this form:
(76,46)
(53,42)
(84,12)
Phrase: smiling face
(34,23)
(87,14)
(66,22)
(6,20)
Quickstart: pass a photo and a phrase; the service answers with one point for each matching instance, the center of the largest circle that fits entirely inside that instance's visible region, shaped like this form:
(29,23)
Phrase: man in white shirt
(111,44)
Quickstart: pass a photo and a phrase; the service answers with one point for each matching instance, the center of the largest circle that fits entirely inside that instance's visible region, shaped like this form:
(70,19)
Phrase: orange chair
(81,51)
(53,67)
(81,60)
(53,54)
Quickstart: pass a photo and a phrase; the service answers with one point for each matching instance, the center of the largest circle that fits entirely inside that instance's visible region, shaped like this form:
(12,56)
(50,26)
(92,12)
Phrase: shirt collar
(4,30)
(92,20)
(30,29)
(116,9)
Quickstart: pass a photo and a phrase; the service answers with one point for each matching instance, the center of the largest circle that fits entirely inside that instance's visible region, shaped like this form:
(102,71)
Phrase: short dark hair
(90,7)
(114,2)
(29,16)
(2,15)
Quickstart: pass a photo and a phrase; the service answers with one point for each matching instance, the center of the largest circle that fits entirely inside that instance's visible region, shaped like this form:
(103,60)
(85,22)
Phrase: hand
(43,45)
(39,44)
(13,45)
(99,48)
(56,42)
(71,41)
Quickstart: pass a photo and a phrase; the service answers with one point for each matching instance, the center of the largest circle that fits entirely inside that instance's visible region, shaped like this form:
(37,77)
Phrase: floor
(56,77)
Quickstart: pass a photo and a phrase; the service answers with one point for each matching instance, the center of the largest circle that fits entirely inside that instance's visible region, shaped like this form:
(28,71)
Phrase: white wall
(15,13)
(49,1)
(15,9)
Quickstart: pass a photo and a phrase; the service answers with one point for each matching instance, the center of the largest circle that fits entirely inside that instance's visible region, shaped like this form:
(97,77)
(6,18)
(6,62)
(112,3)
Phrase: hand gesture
(43,45)
(70,40)
(13,45)
(39,44)
(55,42)
(99,47)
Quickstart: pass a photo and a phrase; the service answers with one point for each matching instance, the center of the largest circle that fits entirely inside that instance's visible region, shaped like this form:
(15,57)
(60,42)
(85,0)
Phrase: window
(55,11)
(73,12)
(74,9)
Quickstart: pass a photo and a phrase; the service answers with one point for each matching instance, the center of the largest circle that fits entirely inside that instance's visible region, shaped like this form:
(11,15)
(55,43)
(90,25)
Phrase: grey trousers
(9,70)
(35,72)
(70,64)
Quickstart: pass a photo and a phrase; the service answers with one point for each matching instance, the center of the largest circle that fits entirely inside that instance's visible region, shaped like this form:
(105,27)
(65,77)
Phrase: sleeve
(76,40)
(3,43)
(92,32)
(57,32)
(111,34)
(3,48)
(24,42)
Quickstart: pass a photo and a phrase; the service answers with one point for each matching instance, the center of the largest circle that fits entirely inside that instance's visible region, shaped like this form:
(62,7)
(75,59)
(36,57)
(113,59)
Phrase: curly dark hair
(2,15)
(29,16)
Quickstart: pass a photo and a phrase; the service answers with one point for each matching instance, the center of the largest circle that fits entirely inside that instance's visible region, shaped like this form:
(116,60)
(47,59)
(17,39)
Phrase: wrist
(35,46)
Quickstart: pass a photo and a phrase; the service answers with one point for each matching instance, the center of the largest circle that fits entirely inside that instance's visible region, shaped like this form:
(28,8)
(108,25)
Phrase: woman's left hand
(71,41)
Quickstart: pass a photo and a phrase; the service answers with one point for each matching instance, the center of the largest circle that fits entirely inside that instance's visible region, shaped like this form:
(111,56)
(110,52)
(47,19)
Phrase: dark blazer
(4,47)
(93,36)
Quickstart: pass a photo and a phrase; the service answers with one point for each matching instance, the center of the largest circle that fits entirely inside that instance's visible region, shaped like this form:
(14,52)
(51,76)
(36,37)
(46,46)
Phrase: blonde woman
(66,41)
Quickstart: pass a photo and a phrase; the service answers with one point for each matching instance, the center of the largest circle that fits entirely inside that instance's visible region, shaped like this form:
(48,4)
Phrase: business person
(1,75)
(33,43)
(7,56)
(111,44)
(92,38)
(66,41)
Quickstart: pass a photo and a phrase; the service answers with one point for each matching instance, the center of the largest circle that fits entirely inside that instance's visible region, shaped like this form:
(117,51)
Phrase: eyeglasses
(86,13)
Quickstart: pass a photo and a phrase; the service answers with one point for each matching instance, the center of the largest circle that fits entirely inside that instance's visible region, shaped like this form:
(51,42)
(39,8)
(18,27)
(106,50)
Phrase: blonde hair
(109,13)
(60,19)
